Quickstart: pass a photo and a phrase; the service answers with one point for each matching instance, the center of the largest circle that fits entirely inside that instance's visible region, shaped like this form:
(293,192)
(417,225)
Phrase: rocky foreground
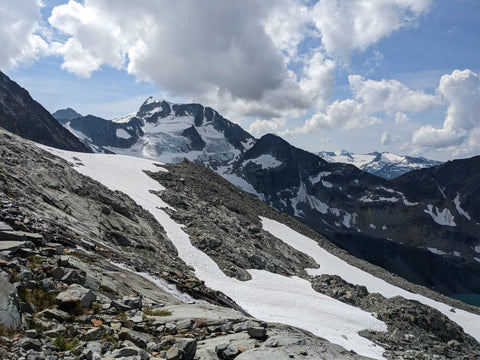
(85,273)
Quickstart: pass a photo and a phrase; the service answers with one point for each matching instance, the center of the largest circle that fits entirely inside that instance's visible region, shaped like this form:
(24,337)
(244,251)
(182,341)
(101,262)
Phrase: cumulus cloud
(20,32)
(461,90)
(391,96)
(234,55)
(354,25)
(371,99)
(389,139)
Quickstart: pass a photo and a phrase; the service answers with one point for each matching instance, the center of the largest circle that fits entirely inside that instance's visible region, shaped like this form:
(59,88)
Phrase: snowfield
(268,296)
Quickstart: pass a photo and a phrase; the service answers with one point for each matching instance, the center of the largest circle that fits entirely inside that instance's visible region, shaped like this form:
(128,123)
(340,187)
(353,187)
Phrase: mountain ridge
(383,164)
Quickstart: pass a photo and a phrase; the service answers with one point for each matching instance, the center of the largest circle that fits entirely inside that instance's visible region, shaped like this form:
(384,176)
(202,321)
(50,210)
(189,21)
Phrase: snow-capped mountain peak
(385,164)
(167,132)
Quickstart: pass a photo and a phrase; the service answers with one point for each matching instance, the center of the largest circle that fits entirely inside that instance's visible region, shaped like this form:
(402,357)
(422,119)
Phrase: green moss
(38,296)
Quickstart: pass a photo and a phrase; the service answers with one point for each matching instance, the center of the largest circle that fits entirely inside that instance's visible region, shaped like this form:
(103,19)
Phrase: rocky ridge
(22,115)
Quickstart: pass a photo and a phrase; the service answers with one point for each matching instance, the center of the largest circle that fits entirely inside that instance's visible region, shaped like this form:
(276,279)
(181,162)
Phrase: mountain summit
(167,132)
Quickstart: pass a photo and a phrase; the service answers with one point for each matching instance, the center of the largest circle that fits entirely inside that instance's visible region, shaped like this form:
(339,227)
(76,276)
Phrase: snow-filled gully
(268,296)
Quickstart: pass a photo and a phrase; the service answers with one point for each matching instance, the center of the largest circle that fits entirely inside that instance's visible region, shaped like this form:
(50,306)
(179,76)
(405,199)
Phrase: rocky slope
(385,165)
(20,114)
(68,242)
(95,276)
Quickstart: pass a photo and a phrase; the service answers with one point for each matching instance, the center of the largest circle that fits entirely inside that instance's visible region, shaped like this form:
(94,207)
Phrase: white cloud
(260,127)
(231,55)
(391,96)
(461,90)
(401,118)
(389,139)
(371,98)
(20,32)
(354,25)
(348,114)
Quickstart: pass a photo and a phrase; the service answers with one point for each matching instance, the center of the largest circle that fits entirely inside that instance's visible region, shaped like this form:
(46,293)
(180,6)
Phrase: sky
(401,76)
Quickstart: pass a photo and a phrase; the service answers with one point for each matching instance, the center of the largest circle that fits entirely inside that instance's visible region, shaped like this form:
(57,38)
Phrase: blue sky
(397,75)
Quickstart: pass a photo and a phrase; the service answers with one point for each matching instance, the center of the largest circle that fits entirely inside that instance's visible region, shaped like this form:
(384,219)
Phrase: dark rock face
(103,132)
(385,222)
(23,116)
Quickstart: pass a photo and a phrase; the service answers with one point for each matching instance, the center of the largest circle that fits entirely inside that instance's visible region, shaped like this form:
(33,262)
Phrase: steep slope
(167,132)
(395,224)
(385,165)
(196,191)
(22,115)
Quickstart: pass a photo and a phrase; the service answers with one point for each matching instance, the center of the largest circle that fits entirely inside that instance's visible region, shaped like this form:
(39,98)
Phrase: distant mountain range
(407,229)
(385,164)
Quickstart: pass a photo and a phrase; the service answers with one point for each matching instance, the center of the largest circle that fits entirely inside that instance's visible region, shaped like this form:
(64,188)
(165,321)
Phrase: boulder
(9,312)
(188,347)
(76,294)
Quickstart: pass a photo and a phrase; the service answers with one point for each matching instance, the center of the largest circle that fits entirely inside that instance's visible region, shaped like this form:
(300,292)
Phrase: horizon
(399,77)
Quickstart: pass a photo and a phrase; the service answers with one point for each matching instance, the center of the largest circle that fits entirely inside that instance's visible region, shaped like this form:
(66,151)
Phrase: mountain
(115,257)
(65,115)
(22,115)
(406,225)
(166,132)
(385,164)
(417,237)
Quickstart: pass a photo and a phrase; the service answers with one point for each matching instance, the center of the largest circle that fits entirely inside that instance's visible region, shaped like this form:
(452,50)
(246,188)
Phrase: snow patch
(266,161)
(332,265)
(121,133)
(315,179)
(443,217)
(311,201)
(436,251)
(477,249)
(459,209)
(373,227)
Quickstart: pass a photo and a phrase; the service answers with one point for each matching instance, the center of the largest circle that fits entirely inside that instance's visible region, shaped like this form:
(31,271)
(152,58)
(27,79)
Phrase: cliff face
(22,115)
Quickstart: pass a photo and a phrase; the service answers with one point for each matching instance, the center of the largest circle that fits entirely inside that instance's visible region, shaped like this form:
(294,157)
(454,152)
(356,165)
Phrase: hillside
(200,257)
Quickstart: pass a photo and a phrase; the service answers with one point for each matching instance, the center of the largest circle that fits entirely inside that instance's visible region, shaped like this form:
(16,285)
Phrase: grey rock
(9,312)
(76,293)
(30,344)
(56,314)
(229,353)
(174,353)
(257,332)
(130,351)
(188,347)
(138,338)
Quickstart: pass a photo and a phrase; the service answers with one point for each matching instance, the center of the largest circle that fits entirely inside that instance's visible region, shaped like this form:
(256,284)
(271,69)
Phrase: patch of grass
(84,257)
(38,296)
(65,344)
(8,332)
(34,262)
(156,312)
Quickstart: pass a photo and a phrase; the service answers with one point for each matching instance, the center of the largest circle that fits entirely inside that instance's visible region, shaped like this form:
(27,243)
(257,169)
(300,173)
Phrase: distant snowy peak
(167,132)
(385,165)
